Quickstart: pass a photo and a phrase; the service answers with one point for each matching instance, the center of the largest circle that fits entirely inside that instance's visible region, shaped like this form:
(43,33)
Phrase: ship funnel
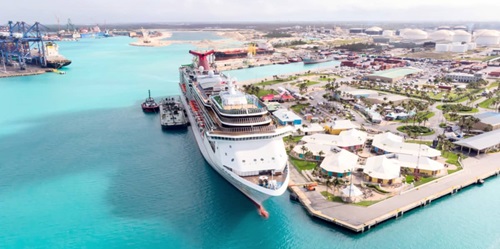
(203,58)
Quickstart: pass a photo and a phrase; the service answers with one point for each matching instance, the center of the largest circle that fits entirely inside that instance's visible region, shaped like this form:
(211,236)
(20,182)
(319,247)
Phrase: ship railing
(243,111)
(245,120)
(202,92)
(245,130)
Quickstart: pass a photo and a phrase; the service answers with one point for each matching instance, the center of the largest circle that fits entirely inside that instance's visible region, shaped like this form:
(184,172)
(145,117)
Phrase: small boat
(149,105)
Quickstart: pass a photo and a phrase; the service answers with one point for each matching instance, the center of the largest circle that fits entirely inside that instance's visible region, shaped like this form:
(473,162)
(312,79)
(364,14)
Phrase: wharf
(360,219)
(17,73)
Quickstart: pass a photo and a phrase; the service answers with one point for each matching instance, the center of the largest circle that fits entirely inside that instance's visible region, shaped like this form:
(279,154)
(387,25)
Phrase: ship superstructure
(235,132)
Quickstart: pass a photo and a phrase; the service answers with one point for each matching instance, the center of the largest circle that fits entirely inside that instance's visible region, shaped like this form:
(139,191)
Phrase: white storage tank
(458,48)
(442,47)
(487,37)
(388,33)
(441,35)
(415,34)
(461,36)
(471,46)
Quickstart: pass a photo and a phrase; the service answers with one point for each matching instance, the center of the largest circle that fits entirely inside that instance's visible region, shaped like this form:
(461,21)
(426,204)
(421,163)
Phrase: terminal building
(392,75)
(464,77)
(387,143)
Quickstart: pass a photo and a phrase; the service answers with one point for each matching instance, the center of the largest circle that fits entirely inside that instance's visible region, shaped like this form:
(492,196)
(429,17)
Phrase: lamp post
(418,156)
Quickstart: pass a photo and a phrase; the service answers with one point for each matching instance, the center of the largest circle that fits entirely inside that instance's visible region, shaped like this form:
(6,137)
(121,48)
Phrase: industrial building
(488,121)
(392,75)
(356,30)
(374,31)
(464,77)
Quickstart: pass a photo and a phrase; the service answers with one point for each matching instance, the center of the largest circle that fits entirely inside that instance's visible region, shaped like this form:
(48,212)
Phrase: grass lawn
(366,203)
(493,85)
(263,92)
(298,107)
(451,158)
(294,139)
(474,110)
(486,103)
(426,114)
(303,165)
(270,82)
(423,180)
(429,143)
(415,129)
(331,197)
(310,83)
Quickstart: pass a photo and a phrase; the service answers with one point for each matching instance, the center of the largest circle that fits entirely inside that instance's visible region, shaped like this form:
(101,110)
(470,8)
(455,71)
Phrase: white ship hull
(254,192)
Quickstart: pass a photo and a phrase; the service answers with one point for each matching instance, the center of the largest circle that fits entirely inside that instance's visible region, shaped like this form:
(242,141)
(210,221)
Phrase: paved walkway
(359,217)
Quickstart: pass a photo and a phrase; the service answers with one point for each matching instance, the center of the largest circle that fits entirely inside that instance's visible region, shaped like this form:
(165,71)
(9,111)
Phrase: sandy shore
(154,41)
(230,37)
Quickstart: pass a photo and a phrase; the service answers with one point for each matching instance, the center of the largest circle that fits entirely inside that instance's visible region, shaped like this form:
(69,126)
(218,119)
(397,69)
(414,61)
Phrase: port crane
(18,42)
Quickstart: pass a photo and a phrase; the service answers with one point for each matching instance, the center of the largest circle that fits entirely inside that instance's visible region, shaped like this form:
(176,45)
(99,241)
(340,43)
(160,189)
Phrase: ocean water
(81,166)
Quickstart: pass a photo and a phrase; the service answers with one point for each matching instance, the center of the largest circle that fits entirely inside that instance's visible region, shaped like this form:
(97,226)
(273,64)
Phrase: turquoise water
(82,167)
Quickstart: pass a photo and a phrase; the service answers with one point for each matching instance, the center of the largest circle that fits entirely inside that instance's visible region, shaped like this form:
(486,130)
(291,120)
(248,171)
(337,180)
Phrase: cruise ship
(234,131)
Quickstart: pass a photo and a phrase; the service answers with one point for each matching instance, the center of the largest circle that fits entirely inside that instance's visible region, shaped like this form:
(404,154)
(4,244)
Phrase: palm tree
(321,153)
(299,131)
(304,149)
(336,184)
(425,119)
(309,154)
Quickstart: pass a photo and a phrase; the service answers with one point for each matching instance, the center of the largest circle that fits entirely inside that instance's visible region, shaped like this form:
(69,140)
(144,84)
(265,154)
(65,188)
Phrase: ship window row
(245,138)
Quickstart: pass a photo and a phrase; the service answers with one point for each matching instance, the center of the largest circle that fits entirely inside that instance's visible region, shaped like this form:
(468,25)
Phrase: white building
(351,140)
(383,169)
(388,142)
(464,77)
(339,163)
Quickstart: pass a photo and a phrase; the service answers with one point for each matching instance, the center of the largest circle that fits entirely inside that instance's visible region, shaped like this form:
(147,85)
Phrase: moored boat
(149,105)
(235,132)
(172,114)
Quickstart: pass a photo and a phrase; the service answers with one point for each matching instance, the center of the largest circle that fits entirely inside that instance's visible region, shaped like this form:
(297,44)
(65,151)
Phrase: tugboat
(149,105)
(172,114)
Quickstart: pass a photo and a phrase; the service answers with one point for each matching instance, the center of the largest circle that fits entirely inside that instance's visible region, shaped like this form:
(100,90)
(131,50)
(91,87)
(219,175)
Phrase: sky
(215,11)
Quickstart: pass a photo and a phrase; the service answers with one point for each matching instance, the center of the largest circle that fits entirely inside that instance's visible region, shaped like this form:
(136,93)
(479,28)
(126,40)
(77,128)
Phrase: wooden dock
(361,219)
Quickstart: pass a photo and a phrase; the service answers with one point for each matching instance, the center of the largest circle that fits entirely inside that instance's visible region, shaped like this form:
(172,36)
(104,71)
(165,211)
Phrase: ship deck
(259,179)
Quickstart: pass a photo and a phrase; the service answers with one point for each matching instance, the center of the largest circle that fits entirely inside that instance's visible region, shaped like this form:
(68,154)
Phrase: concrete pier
(361,219)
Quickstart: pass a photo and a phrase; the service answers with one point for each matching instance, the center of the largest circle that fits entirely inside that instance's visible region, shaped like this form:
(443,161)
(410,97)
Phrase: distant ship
(172,114)
(53,58)
(316,59)
(235,132)
(94,32)
(261,49)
